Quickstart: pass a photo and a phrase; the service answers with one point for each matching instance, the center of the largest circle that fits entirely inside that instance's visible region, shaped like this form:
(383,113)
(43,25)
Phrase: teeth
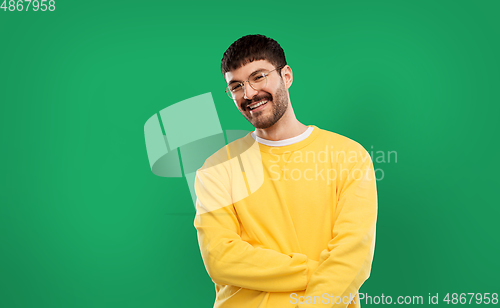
(257,105)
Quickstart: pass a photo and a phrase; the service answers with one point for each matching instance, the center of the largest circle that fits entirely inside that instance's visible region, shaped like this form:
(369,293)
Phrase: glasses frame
(242,83)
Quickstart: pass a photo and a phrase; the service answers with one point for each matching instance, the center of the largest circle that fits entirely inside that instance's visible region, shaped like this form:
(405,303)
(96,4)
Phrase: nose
(249,91)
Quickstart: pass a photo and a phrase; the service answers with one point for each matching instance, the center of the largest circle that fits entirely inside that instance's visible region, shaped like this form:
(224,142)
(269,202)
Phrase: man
(285,215)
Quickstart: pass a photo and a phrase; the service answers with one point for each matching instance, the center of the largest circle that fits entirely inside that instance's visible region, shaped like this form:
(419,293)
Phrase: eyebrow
(255,72)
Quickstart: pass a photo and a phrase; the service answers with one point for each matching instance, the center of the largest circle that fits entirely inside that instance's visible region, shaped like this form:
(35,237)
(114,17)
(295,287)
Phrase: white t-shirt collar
(284,142)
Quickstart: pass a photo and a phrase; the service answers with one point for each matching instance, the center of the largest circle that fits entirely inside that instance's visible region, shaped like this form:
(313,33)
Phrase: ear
(287,75)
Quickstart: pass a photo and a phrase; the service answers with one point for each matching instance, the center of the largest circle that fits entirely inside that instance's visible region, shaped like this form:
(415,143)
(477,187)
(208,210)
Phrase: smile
(251,107)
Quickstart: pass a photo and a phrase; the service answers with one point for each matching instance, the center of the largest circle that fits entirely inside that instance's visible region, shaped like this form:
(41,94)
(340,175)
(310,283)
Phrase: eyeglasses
(236,90)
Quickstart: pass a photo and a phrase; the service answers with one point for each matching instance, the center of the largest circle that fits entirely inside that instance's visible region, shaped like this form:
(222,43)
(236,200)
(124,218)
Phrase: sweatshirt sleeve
(231,261)
(346,262)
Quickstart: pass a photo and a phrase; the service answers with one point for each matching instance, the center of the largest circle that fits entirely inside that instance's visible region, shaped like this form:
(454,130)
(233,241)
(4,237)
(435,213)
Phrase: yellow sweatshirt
(287,226)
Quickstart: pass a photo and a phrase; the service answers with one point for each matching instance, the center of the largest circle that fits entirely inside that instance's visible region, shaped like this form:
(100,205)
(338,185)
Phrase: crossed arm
(231,261)
(343,266)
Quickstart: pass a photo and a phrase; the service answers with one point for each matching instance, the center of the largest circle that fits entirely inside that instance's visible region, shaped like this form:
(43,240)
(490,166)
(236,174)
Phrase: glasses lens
(259,81)
(234,90)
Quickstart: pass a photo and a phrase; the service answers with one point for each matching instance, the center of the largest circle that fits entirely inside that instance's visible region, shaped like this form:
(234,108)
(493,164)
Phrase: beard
(278,103)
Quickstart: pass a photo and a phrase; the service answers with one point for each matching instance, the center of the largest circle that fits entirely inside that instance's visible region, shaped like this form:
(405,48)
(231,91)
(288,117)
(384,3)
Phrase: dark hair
(251,48)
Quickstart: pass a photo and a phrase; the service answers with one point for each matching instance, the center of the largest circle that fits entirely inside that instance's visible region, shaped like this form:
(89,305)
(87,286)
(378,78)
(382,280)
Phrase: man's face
(275,93)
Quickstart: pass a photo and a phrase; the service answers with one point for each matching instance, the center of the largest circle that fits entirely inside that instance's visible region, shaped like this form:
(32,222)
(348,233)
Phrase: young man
(285,215)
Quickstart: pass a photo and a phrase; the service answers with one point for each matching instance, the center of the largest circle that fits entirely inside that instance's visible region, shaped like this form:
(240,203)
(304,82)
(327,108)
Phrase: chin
(262,125)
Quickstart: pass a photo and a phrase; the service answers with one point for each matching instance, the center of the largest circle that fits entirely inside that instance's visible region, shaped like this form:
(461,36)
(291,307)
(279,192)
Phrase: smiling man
(286,215)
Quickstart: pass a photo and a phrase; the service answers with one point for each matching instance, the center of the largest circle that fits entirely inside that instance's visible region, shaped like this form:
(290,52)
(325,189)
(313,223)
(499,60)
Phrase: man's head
(262,61)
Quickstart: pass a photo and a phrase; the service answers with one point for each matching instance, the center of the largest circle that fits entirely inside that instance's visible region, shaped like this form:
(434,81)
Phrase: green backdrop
(85,223)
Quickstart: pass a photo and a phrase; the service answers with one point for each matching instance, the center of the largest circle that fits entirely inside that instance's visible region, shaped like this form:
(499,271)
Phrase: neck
(286,127)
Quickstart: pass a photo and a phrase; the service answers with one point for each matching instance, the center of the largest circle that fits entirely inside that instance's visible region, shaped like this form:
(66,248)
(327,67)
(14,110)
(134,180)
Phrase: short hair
(250,48)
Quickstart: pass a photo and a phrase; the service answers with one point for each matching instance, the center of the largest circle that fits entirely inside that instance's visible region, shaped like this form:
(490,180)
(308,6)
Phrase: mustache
(248,102)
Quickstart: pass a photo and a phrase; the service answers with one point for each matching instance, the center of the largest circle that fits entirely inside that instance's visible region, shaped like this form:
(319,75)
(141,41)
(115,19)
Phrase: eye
(259,78)
(235,88)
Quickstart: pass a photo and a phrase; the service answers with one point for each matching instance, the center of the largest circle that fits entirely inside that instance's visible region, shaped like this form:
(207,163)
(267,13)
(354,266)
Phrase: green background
(85,223)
